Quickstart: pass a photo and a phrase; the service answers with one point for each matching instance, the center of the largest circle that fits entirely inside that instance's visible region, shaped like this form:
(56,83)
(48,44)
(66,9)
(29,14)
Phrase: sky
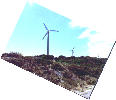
(87,35)
(29,31)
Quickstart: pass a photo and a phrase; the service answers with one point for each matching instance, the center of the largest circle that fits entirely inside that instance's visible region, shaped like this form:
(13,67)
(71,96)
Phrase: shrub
(67,75)
(90,80)
(47,57)
(57,67)
(4,55)
(56,58)
(15,54)
(61,57)
(17,62)
(77,70)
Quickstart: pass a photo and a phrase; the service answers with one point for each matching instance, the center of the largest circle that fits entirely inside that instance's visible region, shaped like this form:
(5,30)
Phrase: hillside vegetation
(68,72)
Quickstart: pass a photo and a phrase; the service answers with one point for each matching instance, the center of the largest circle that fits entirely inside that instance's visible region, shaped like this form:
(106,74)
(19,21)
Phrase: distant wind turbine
(47,33)
(72,51)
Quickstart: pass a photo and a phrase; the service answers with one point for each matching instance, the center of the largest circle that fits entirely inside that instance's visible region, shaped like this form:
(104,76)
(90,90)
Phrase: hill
(72,73)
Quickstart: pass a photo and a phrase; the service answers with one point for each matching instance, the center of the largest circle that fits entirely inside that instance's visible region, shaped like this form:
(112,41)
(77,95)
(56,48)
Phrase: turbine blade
(45,27)
(54,30)
(45,36)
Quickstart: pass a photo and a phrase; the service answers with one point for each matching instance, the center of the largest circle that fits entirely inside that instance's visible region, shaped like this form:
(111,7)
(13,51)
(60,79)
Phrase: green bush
(47,57)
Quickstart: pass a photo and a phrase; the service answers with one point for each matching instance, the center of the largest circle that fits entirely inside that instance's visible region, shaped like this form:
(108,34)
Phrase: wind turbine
(47,33)
(72,51)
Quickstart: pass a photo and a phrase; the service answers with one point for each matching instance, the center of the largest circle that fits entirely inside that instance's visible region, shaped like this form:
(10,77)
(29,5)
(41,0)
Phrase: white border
(17,84)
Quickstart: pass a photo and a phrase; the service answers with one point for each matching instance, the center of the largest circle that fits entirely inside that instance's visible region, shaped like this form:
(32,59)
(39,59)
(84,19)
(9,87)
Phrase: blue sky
(29,31)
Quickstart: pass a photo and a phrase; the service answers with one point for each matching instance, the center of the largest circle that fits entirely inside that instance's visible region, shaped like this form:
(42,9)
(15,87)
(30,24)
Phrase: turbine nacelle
(48,31)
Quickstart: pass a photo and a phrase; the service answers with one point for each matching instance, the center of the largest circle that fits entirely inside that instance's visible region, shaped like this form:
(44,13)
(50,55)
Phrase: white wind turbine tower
(72,51)
(48,31)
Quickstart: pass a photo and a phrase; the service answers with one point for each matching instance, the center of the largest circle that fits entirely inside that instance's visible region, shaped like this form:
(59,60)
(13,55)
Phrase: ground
(72,73)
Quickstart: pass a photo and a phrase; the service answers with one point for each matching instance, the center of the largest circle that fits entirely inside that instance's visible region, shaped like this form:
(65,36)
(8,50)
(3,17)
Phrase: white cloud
(101,18)
(85,34)
(97,15)
(99,44)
